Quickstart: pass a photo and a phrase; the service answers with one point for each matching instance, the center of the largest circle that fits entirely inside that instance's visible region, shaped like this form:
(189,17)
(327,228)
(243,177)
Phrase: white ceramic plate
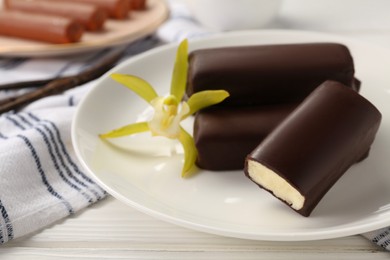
(116,32)
(227,203)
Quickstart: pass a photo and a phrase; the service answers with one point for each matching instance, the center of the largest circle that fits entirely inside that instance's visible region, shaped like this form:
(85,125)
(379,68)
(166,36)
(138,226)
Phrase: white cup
(228,15)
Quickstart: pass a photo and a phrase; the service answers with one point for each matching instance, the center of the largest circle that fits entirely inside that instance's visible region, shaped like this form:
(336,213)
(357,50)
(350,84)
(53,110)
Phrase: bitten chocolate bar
(311,149)
(224,136)
(269,74)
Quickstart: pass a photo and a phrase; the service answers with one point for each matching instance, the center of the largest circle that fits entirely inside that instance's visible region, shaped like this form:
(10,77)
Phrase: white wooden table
(112,230)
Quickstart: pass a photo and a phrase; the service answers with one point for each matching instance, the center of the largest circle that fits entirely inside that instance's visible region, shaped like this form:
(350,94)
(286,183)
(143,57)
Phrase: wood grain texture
(112,230)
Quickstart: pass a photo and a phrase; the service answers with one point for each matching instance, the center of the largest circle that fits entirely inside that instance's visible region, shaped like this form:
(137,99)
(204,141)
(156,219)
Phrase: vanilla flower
(169,110)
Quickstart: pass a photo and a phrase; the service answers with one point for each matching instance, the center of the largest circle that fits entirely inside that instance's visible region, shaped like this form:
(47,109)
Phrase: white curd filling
(276,184)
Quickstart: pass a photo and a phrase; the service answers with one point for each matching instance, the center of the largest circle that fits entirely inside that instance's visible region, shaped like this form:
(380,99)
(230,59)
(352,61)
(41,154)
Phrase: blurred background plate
(116,32)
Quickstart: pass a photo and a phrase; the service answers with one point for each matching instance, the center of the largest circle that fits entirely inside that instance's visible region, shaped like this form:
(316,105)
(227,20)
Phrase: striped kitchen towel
(41,180)
(380,237)
(181,25)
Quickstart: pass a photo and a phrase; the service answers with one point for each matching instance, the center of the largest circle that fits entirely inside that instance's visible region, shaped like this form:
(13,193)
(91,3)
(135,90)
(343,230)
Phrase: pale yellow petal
(141,87)
(127,130)
(179,75)
(205,98)
(190,152)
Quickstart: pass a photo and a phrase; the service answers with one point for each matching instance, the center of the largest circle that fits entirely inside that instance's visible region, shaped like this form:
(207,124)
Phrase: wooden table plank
(113,230)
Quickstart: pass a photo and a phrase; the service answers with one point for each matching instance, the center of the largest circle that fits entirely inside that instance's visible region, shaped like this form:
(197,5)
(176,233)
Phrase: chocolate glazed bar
(40,27)
(224,136)
(269,74)
(311,149)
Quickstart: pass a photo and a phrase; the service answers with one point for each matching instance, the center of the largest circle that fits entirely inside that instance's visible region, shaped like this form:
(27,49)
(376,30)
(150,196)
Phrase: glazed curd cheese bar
(117,9)
(224,136)
(301,159)
(137,4)
(91,16)
(269,74)
(40,27)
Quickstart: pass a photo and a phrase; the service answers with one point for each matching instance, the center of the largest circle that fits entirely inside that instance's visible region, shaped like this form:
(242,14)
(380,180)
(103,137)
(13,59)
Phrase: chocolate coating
(269,74)
(117,9)
(92,17)
(224,136)
(311,149)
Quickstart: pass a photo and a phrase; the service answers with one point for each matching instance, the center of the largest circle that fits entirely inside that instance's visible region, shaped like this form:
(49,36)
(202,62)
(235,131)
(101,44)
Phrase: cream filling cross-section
(276,184)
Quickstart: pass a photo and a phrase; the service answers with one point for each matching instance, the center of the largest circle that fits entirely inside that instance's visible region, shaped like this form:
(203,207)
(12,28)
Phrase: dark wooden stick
(25,84)
(62,84)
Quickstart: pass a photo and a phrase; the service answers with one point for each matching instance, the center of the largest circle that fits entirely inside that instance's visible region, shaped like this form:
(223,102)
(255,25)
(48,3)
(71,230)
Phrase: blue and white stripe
(42,173)
(41,180)
(53,170)
(6,229)
(380,237)
(181,25)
